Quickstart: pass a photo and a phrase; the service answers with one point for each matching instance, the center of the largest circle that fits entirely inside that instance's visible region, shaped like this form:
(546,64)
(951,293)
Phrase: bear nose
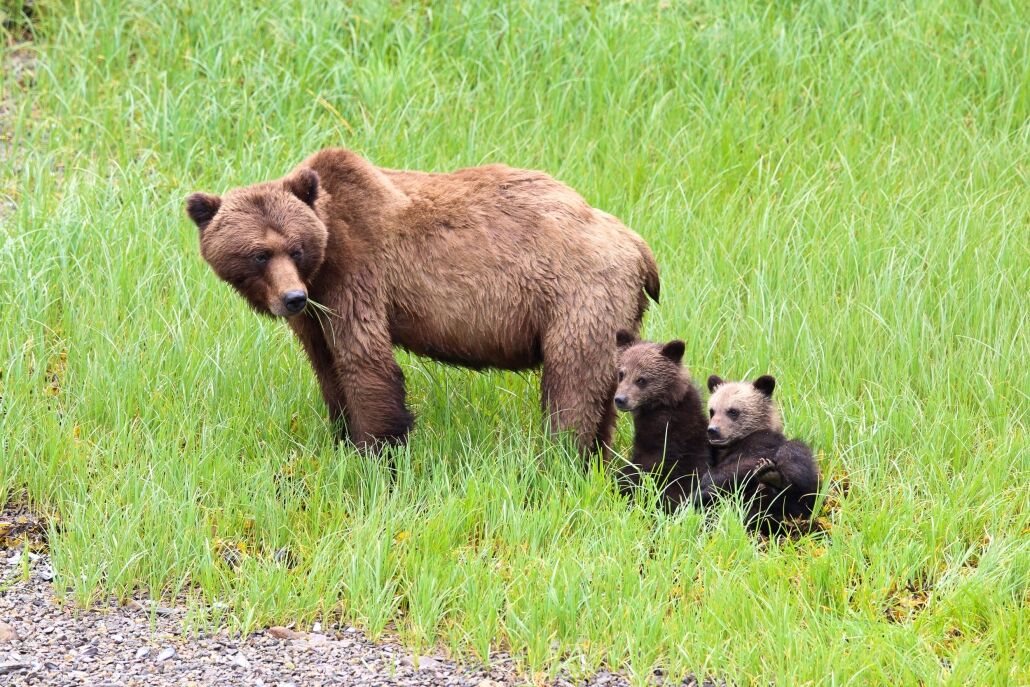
(294,301)
(620,402)
(713,432)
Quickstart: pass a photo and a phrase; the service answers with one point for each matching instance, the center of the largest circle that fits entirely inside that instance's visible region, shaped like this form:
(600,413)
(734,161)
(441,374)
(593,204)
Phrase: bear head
(650,374)
(266,240)
(738,409)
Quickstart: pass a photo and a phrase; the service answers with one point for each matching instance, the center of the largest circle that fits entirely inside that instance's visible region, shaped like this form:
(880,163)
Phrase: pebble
(166,653)
(285,633)
(8,633)
(13,667)
(420,662)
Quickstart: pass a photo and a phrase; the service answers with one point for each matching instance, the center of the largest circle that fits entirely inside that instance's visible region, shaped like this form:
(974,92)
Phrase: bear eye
(262,257)
(711,412)
(296,254)
(622,374)
(733,413)
(641,381)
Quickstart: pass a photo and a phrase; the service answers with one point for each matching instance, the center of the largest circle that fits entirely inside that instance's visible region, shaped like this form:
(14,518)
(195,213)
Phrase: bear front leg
(378,414)
(719,476)
(362,349)
(309,331)
(768,474)
(725,476)
(707,490)
(798,466)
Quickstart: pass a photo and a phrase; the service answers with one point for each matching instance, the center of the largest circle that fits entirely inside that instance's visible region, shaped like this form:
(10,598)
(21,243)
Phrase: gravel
(44,643)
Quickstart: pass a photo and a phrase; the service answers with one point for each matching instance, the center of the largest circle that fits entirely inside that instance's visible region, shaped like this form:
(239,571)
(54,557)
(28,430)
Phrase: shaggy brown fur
(484,267)
(669,422)
(778,478)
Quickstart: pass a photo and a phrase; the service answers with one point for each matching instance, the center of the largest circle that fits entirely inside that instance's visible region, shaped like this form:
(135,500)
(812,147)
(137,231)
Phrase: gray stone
(8,633)
(13,667)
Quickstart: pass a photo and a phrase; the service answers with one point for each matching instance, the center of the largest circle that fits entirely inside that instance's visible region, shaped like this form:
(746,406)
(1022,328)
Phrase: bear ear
(714,381)
(625,338)
(304,185)
(765,384)
(202,207)
(674,350)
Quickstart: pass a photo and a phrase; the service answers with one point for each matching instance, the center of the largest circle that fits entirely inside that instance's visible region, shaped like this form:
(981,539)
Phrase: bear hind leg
(576,389)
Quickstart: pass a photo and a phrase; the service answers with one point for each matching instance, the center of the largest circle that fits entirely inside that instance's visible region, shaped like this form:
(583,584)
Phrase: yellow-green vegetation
(837,194)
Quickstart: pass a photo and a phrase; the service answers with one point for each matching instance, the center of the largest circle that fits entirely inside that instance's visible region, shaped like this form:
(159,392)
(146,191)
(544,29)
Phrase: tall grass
(837,194)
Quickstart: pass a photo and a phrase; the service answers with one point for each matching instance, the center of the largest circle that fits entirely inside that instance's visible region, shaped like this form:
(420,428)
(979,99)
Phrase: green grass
(837,193)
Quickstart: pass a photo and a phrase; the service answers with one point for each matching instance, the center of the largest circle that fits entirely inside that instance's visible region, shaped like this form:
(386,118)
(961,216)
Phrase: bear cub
(670,440)
(778,478)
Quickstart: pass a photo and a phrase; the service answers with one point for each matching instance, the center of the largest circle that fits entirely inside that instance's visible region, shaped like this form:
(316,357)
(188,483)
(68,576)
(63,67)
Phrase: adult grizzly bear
(483,267)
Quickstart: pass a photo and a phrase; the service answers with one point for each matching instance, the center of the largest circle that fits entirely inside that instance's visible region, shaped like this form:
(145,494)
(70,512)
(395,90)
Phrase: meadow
(837,194)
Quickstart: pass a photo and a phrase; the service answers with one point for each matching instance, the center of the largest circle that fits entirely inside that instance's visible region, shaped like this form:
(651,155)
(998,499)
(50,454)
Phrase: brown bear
(483,267)
(669,423)
(777,478)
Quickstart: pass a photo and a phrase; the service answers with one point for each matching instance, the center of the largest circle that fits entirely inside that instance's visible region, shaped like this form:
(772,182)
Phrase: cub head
(650,375)
(265,240)
(739,409)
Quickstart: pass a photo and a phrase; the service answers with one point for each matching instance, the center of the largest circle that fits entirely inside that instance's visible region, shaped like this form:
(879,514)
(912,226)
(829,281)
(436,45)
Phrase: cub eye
(296,254)
(641,381)
(262,257)
(622,374)
(733,413)
(711,412)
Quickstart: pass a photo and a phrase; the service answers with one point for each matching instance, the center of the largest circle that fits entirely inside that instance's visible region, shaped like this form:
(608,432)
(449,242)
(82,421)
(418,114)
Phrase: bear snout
(621,402)
(294,301)
(713,433)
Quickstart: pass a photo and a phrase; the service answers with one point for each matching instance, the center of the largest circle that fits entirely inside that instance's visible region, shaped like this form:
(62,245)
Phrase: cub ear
(674,350)
(202,207)
(625,338)
(765,384)
(304,185)
(714,381)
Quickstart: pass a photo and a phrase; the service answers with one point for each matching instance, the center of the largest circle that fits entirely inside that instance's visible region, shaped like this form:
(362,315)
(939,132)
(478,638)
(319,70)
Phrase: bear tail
(652,286)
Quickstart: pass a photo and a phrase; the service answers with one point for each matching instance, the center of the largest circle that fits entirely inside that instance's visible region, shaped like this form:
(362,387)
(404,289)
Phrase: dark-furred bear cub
(777,478)
(670,440)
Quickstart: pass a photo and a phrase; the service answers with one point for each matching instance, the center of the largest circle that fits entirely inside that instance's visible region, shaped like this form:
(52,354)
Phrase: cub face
(265,240)
(738,409)
(649,373)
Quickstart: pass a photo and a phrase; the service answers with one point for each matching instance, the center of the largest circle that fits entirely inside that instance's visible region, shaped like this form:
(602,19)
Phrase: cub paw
(769,475)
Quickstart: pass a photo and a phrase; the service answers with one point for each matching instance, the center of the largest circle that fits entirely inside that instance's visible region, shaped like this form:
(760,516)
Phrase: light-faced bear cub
(778,478)
(669,423)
